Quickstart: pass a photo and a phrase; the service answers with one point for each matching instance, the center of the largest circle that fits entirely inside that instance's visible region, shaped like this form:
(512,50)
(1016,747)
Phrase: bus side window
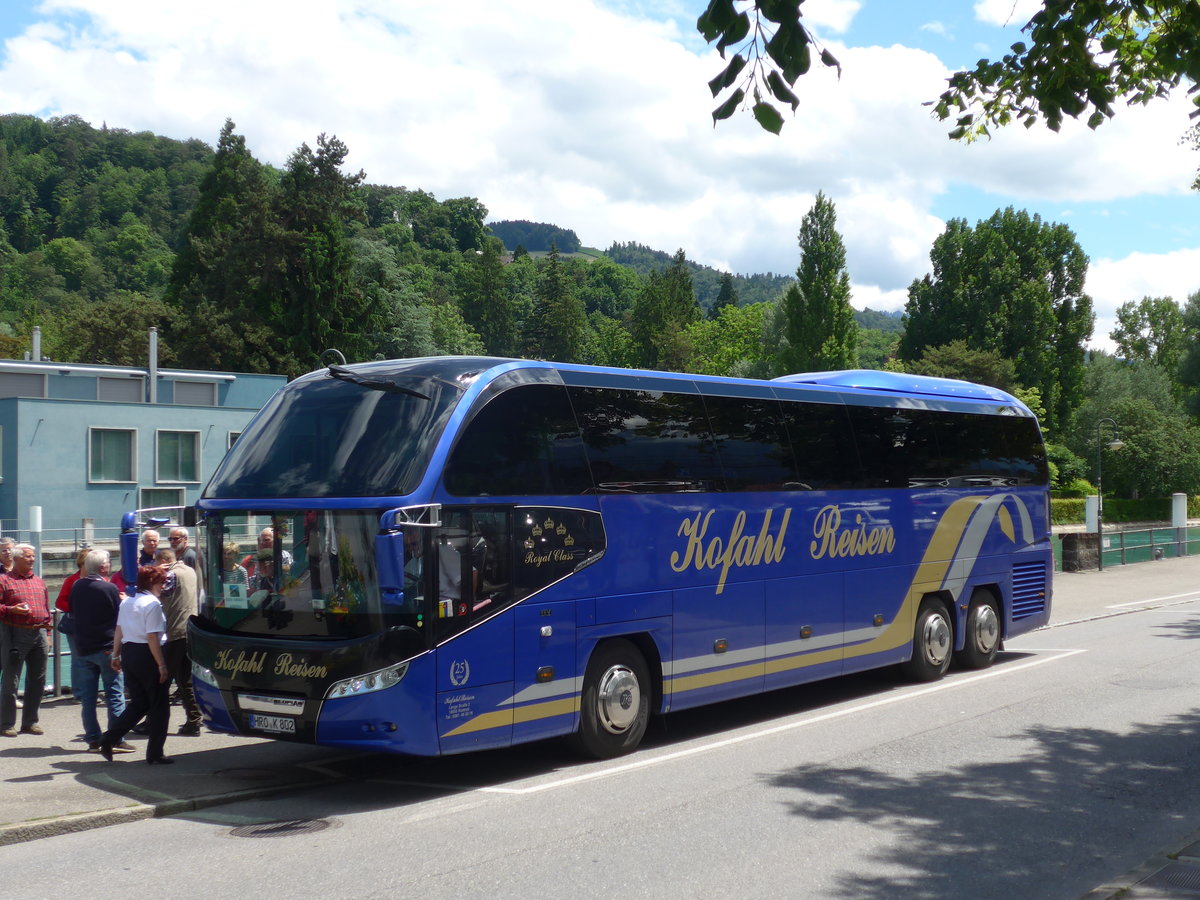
(552,543)
(473,559)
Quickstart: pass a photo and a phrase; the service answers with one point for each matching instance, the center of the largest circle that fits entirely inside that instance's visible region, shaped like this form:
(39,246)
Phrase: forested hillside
(766,288)
(536,237)
(245,266)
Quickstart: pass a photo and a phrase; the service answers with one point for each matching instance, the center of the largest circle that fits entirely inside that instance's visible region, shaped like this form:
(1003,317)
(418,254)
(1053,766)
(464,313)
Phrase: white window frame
(158,477)
(233,436)
(133,456)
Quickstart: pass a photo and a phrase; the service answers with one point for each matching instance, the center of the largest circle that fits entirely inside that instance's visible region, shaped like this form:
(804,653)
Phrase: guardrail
(1122,548)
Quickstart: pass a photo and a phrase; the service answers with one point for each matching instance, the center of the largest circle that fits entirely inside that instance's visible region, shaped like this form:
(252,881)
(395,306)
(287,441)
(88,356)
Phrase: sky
(595,115)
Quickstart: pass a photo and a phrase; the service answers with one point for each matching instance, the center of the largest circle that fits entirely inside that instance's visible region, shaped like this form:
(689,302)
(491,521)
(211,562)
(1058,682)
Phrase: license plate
(277,724)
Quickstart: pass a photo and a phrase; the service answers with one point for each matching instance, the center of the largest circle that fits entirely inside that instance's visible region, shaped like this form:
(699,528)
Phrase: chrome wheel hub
(618,699)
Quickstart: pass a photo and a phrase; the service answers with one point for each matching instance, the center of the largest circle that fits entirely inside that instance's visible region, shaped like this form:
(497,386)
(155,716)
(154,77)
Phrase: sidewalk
(51,785)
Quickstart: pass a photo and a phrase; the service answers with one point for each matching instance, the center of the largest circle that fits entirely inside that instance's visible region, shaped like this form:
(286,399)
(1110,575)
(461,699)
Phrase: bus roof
(900,383)
(463,370)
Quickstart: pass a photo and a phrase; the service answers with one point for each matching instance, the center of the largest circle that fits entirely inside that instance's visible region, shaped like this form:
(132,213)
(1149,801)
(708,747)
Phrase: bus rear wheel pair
(933,637)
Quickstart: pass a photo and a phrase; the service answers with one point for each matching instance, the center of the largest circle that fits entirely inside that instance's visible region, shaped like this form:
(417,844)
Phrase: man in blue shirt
(94,604)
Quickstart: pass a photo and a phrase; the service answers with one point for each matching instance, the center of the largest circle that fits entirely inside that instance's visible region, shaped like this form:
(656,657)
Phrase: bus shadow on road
(368,782)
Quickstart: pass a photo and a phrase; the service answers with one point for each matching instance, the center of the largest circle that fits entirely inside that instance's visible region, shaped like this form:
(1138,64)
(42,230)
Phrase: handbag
(66,624)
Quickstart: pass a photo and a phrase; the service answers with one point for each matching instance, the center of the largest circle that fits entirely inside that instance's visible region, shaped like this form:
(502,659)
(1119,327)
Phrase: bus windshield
(326,435)
(299,573)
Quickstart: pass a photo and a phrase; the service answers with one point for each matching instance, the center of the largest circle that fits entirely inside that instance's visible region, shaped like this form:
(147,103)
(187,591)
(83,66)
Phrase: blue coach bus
(459,553)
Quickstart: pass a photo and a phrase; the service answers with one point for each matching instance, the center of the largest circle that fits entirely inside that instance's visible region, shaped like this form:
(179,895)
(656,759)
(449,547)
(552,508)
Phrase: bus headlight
(365,684)
(199,673)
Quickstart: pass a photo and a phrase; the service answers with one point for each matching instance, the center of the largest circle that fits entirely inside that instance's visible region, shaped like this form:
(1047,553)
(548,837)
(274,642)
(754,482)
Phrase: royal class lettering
(734,549)
(557,555)
(831,540)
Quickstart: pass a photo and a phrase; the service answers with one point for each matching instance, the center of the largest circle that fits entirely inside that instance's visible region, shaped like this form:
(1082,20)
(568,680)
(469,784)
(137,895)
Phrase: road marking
(1190,596)
(645,761)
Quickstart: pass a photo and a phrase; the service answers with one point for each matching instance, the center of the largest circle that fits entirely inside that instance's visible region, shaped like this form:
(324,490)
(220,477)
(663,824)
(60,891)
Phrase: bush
(1077,487)
(1066,511)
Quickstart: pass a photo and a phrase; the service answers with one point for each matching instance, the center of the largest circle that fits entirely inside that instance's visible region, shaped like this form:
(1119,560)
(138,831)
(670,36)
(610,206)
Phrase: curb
(1126,887)
(20,832)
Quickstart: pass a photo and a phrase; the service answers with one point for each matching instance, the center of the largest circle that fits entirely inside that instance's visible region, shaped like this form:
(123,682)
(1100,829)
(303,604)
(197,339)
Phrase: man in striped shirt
(24,620)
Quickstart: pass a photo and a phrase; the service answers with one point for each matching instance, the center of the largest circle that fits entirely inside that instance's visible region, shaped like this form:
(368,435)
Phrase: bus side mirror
(190,519)
(389,564)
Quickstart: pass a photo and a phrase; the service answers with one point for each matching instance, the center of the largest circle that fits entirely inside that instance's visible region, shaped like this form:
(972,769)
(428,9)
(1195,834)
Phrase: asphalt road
(1066,764)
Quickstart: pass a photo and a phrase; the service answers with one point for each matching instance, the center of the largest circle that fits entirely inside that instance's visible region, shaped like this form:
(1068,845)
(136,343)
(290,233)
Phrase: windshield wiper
(374,384)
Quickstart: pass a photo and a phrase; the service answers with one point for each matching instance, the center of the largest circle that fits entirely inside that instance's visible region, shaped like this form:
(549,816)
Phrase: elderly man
(266,547)
(24,619)
(179,603)
(185,553)
(149,547)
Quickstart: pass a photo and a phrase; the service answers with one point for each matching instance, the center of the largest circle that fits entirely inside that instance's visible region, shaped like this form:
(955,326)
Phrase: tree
(1013,285)
(1151,330)
(730,344)
(1081,56)
(315,303)
(222,272)
(661,314)
(486,305)
(727,296)
(818,319)
(957,360)
(113,331)
(1162,447)
(557,325)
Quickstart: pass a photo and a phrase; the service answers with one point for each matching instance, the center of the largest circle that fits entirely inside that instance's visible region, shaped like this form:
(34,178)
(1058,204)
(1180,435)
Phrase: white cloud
(1006,12)
(936,27)
(1111,282)
(831,15)
(594,120)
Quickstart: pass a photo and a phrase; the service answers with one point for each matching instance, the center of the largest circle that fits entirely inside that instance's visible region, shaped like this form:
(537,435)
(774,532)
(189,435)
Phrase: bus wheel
(615,706)
(982,638)
(933,643)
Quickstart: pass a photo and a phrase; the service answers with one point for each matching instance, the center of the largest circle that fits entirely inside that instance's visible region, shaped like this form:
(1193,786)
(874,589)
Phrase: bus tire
(982,637)
(615,706)
(933,643)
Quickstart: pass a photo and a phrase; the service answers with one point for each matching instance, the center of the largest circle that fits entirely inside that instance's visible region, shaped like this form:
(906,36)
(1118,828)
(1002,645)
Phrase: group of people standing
(130,638)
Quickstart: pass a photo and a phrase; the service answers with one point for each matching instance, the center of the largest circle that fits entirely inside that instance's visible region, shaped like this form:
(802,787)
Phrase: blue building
(87,443)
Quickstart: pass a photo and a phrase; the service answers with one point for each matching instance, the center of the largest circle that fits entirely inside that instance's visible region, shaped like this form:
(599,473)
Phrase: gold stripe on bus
(935,564)
(503,718)
(938,558)
(710,678)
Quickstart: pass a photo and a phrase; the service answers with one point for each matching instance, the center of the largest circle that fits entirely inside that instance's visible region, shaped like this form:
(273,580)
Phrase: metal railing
(1122,548)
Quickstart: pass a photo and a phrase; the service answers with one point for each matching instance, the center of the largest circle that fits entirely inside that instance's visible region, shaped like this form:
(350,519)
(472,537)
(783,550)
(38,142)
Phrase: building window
(112,454)
(169,500)
(195,393)
(120,390)
(178,456)
(22,384)
(233,436)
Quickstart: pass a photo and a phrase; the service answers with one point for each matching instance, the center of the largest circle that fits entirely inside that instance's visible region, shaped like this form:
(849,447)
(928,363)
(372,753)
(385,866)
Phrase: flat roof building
(88,443)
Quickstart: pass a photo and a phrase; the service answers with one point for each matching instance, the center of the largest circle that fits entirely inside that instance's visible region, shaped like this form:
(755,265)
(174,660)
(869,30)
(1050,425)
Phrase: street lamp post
(1115,444)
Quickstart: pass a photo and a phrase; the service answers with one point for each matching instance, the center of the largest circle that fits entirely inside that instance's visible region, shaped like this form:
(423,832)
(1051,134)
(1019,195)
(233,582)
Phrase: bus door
(468,584)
